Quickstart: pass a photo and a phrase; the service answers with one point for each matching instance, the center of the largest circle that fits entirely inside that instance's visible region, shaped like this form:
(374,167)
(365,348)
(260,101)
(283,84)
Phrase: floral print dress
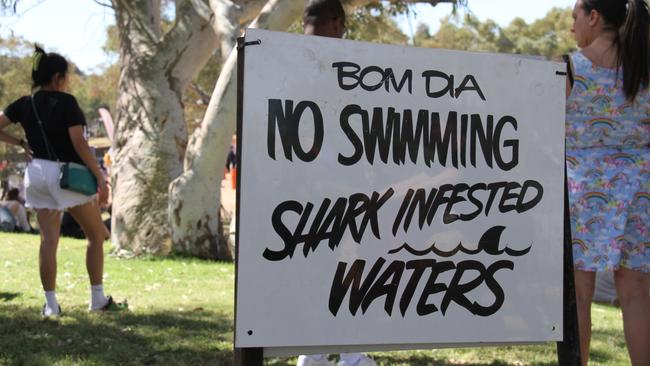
(608,164)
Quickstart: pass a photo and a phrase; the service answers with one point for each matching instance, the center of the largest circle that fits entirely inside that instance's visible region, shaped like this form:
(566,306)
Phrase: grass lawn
(182,314)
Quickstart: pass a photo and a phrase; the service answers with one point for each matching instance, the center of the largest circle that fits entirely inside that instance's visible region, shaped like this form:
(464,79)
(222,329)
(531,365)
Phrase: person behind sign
(326,18)
(608,162)
(61,139)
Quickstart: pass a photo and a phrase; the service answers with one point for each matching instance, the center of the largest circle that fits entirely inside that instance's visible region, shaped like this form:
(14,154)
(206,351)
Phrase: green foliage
(549,37)
(375,23)
(95,90)
(112,44)
(15,81)
(182,313)
(15,66)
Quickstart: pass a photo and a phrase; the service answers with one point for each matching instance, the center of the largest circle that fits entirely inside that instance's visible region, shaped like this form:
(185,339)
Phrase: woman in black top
(61,139)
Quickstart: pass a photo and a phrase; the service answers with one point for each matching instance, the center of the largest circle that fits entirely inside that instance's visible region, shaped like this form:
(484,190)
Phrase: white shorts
(42,190)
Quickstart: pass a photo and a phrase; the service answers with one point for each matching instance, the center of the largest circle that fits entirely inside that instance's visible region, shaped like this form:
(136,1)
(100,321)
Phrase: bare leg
(50,224)
(585,284)
(633,290)
(89,218)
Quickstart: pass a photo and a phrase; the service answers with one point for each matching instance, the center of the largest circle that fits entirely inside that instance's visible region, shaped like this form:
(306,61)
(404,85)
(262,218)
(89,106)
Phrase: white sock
(97,298)
(51,306)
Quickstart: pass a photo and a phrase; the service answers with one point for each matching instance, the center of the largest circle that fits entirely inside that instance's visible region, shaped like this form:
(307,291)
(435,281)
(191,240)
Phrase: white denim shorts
(42,190)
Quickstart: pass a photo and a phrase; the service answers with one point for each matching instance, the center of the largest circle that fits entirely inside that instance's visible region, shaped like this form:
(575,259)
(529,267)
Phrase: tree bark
(150,131)
(195,197)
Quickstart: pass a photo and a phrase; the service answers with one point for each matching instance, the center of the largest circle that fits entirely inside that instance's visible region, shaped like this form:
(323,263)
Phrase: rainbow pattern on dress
(623,157)
(580,80)
(620,240)
(602,122)
(594,173)
(596,196)
(623,107)
(620,176)
(581,244)
(642,195)
(572,161)
(633,141)
(601,98)
(595,220)
(599,258)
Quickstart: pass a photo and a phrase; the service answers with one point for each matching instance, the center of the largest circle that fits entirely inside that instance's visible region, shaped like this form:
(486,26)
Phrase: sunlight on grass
(182,314)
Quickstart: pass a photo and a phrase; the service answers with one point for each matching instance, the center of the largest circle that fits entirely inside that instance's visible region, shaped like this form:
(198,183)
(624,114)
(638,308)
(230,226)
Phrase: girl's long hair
(630,19)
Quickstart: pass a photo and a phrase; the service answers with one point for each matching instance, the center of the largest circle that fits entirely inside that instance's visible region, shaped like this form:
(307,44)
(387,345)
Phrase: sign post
(396,198)
(568,350)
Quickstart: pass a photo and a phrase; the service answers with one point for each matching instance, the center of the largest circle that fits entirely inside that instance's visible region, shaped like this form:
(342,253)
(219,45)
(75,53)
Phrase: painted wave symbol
(489,243)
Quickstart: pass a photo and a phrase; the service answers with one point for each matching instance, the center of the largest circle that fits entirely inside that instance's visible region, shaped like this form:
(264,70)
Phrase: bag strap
(569,68)
(40,125)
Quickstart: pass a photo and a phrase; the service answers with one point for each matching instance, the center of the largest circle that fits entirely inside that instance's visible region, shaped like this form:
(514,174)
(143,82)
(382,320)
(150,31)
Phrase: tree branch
(101,3)
(203,95)
(188,45)
(199,29)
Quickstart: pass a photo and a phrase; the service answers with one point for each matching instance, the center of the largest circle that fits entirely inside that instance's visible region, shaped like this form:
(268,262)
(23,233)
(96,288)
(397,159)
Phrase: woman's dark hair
(13,194)
(319,11)
(46,65)
(630,20)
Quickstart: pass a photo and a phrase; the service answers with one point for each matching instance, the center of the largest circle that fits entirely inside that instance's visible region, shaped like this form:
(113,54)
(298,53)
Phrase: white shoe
(359,360)
(47,313)
(315,360)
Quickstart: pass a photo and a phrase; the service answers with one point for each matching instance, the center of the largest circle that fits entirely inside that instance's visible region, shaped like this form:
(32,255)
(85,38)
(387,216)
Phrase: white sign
(397,196)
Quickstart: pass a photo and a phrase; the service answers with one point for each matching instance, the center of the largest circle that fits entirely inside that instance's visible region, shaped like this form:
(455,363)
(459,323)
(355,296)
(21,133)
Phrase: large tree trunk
(195,197)
(149,117)
(150,131)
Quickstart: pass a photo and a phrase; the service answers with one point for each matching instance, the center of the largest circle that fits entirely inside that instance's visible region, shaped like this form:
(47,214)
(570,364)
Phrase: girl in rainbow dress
(608,162)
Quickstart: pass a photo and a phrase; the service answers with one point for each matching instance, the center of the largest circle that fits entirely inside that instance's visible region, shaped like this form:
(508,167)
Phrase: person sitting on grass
(54,127)
(15,206)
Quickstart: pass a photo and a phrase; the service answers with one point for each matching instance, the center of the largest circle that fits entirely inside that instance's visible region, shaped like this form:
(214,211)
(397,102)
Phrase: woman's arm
(81,147)
(5,137)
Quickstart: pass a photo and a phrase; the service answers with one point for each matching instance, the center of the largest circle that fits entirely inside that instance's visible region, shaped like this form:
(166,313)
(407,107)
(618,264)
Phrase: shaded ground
(169,338)
(182,314)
